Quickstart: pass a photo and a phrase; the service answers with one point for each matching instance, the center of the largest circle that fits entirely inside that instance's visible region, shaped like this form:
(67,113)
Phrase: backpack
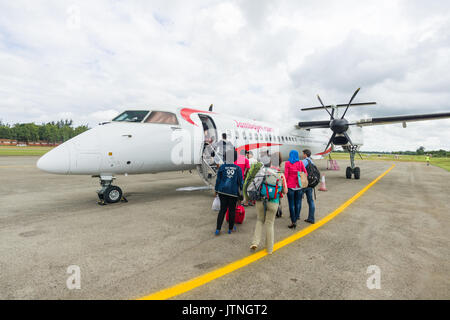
(272,185)
(254,182)
(313,174)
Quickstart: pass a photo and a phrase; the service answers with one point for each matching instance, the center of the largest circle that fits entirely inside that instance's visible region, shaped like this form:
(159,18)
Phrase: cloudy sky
(88,60)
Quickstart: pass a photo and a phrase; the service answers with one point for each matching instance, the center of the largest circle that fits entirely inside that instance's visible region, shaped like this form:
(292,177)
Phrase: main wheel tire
(112,194)
(357,173)
(348,173)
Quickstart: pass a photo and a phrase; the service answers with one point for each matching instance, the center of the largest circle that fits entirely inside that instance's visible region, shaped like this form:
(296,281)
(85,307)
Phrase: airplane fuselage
(152,145)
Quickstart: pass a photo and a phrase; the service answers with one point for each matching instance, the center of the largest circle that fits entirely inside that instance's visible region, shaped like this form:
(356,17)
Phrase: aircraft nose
(56,160)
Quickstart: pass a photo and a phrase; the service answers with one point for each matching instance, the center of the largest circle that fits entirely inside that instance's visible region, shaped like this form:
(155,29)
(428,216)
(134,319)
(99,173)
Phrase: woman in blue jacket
(229,184)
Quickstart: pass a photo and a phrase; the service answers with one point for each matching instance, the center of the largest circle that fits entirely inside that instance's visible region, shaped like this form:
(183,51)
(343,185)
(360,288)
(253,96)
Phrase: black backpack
(313,174)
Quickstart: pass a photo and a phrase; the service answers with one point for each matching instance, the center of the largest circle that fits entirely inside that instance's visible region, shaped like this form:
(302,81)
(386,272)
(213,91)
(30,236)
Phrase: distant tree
(420,151)
(53,132)
(5,131)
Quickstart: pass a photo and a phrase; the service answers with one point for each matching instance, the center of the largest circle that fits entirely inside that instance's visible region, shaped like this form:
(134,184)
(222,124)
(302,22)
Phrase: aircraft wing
(400,119)
(377,121)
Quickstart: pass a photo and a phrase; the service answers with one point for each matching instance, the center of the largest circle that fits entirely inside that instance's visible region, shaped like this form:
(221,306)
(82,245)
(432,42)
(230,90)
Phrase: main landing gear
(109,193)
(356,171)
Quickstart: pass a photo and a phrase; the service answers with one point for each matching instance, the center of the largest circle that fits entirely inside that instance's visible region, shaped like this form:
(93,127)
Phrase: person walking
(250,157)
(308,191)
(266,208)
(243,163)
(229,184)
(428,160)
(223,149)
(291,170)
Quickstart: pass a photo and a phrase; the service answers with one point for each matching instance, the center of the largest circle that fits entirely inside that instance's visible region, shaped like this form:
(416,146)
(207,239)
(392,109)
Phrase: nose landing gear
(356,171)
(109,193)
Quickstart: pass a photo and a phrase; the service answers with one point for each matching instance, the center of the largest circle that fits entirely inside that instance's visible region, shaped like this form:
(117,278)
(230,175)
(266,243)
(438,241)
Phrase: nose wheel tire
(348,173)
(357,173)
(112,194)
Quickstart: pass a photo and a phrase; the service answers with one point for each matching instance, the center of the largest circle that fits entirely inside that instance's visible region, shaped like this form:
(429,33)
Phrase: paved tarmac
(162,237)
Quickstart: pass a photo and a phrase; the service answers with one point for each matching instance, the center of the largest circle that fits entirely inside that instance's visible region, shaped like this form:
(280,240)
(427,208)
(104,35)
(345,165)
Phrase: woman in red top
(291,169)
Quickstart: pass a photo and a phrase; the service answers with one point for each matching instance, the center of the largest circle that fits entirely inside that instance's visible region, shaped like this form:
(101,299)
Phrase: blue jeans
(309,198)
(295,204)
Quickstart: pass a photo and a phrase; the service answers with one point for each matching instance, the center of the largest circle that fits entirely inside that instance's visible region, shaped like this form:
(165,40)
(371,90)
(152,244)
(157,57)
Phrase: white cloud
(259,59)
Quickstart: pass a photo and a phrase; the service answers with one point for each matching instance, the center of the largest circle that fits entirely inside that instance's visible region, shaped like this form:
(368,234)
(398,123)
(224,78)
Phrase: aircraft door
(208,138)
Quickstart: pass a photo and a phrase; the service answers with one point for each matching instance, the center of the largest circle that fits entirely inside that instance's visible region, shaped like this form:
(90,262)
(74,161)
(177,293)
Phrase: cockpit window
(131,116)
(162,117)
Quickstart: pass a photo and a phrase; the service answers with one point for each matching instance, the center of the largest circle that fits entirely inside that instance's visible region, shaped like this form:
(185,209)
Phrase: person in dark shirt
(308,191)
(229,184)
(223,149)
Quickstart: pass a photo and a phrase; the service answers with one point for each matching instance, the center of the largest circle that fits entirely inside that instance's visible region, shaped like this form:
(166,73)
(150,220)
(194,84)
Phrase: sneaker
(217,232)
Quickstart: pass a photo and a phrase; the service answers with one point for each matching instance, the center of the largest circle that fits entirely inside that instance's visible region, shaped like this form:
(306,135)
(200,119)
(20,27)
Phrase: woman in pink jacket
(291,169)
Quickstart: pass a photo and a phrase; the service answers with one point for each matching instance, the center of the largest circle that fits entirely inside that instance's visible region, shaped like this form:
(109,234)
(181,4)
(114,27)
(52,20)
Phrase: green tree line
(53,132)
(420,151)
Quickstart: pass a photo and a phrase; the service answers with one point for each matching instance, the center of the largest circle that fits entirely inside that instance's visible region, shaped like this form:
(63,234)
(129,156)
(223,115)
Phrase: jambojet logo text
(246,125)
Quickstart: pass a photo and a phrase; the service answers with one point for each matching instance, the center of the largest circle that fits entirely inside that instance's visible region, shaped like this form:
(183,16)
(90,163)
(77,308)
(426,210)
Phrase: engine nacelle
(340,140)
(355,134)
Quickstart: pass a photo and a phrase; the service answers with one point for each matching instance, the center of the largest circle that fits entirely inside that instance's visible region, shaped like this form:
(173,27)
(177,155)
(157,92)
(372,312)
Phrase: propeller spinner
(339,125)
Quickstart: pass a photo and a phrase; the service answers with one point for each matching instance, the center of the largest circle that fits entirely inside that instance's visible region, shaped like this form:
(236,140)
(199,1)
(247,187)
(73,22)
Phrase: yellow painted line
(210,276)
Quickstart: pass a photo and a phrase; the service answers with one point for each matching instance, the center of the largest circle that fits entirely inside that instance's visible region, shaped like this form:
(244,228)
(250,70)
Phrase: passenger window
(162,118)
(250,135)
(237,134)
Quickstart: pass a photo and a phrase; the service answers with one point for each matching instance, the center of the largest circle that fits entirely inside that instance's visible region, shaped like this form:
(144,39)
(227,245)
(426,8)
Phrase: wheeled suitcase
(240,215)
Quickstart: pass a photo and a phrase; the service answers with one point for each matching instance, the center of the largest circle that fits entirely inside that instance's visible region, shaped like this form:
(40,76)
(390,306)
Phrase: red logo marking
(186,114)
(255,146)
(324,153)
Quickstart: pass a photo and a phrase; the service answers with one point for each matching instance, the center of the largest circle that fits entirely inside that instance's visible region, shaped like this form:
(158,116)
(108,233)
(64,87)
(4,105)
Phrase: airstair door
(207,168)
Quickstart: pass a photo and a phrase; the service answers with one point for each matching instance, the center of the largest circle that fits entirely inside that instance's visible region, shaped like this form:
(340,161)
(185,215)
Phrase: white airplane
(156,140)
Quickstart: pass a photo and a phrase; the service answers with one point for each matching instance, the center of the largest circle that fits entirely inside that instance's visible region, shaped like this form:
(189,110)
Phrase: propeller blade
(329,142)
(348,138)
(326,109)
(351,100)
